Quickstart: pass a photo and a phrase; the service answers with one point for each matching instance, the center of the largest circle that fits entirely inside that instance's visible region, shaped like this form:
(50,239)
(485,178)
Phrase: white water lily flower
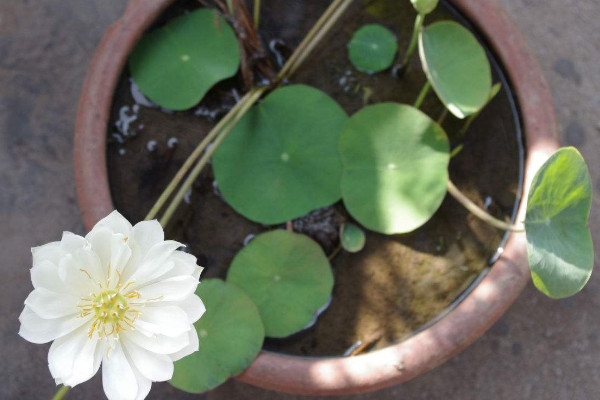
(122,297)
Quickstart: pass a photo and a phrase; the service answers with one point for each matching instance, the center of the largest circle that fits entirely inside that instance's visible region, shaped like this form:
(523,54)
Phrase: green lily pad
(353,238)
(175,65)
(281,160)
(395,161)
(559,243)
(424,6)
(288,277)
(372,48)
(456,66)
(231,334)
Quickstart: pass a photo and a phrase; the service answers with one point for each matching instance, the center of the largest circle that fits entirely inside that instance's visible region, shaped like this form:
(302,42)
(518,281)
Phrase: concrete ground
(541,349)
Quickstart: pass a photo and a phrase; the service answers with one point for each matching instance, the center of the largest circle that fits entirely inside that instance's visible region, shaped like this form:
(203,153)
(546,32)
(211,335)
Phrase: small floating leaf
(395,161)
(352,238)
(230,334)
(559,243)
(288,277)
(457,67)
(281,160)
(424,6)
(372,48)
(177,64)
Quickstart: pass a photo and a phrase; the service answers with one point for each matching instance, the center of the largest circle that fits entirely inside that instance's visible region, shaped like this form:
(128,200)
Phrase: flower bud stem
(60,394)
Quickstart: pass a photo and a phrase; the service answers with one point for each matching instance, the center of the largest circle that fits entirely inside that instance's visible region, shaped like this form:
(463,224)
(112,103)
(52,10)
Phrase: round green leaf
(177,64)
(288,277)
(281,160)
(424,6)
(352,238)
(372,48)
(456,66)
(395,161)
(559,243)
(230,334)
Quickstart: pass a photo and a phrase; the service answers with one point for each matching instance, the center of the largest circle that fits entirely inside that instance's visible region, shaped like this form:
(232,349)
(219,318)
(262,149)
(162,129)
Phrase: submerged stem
(479,212)
(60,394)
(413,40)
(422,94)
(254,95)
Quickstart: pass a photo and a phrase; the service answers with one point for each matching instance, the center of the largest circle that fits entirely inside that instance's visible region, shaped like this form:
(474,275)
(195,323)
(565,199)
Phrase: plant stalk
(319,35)
(413,40)
(422,94)
(494,91)
(60,394)
(230,6)
(314,35)
(189,162)
(254,95)
(284,72)
(256,14)
(442,116)
(479,212)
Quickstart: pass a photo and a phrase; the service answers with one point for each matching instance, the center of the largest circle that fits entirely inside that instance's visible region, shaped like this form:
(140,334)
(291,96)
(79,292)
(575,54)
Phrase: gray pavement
(541,349)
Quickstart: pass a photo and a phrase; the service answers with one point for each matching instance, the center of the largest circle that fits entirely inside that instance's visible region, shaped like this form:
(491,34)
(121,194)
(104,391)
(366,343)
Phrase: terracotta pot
(396,363)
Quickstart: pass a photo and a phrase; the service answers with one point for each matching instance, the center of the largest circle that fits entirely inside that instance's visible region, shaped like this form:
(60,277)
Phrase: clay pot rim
(396,363)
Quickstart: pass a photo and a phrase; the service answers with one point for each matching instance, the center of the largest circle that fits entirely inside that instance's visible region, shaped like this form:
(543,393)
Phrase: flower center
(110,307)
(112,311)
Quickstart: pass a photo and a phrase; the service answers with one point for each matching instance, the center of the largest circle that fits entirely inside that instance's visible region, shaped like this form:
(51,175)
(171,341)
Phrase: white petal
(144,385)
(191,305)
(155,263)
(192,347)
(48,252)
(116,223)
(79,274)
(146,234)
(120,253)
(62,354)
(184,264)
(197,272)
(169,321)
(172,289)
(99,238)
(118,378)
(87,362)
(90,262)
(44,274)
(39,330)
(160,344)
(71,242)
(49,304)
(74,358)
(156,367)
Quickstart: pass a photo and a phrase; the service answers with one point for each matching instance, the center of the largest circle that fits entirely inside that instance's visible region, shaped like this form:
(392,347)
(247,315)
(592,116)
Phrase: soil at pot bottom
(397,284)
